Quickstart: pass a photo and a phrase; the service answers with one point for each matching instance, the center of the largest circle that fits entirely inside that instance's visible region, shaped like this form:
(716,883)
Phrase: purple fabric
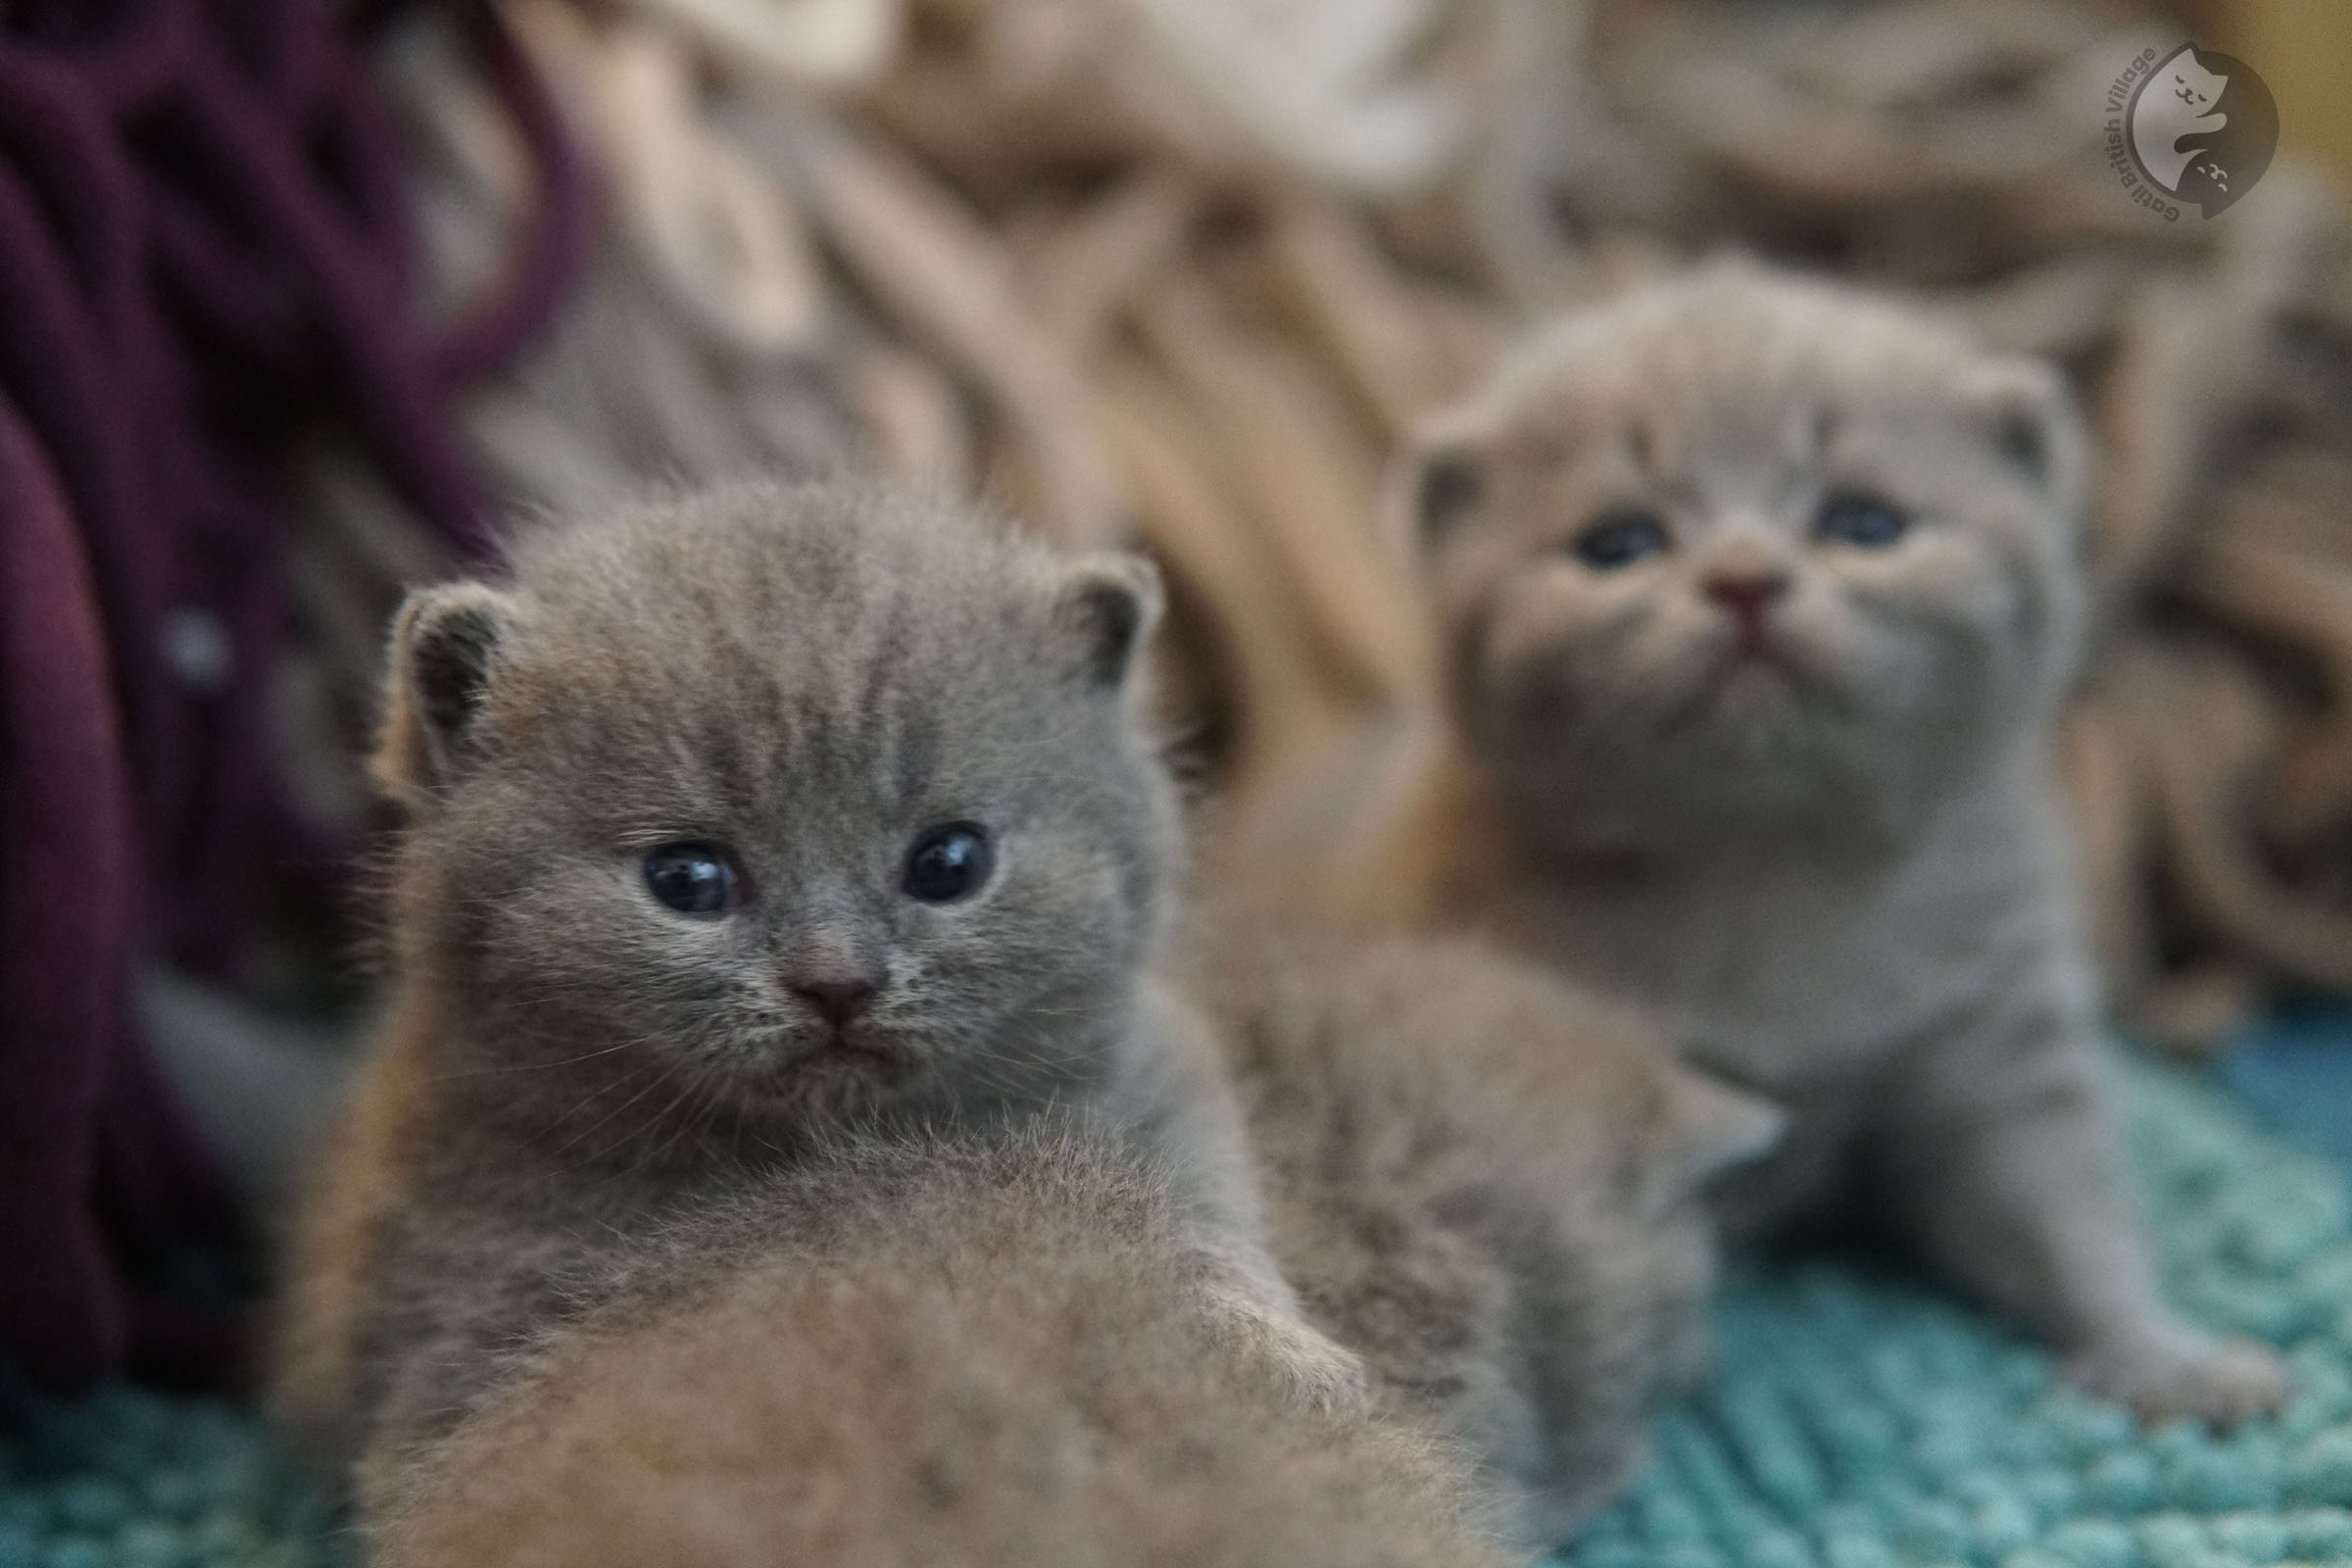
(65,862)
(203,256)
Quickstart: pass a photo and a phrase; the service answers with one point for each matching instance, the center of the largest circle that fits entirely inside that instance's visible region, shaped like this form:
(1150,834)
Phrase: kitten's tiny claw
(2178,1372)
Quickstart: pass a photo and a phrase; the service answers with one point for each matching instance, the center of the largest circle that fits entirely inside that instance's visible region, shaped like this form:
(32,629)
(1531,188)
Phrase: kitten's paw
(1308,1366)
(1323,1374)
(2177,1371)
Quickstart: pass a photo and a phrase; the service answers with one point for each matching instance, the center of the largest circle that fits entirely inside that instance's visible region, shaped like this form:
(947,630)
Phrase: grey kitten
(1488,1184)
(731,822)
(1758,600)
(980,1350)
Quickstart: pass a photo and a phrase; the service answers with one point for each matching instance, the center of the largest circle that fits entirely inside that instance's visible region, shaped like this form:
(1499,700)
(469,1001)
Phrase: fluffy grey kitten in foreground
(1757,601)
(732,823)
(938,1351)
(1489,1184)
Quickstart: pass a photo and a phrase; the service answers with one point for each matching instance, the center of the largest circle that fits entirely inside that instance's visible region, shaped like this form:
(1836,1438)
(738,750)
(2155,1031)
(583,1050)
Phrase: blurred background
(299,300)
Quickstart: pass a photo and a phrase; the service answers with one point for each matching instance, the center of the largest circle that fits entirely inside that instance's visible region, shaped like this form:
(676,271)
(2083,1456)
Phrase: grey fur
(976,1349)
(1841,873)
(811,678)
(1486,1183)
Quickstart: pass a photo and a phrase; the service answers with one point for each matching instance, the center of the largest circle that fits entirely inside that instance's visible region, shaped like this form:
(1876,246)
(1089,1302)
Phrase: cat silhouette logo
(2201,126)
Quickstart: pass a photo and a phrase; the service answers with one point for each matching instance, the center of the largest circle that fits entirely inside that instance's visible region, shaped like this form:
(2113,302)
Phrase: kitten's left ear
(444,642)
(1437,482)
(1707,1129)
(1109,602)
(2030,420)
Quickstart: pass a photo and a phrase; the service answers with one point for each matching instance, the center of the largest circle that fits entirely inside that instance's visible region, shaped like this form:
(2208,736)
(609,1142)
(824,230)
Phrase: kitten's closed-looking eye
(695,879)
(1864,520)
(949,863)
(1619,538)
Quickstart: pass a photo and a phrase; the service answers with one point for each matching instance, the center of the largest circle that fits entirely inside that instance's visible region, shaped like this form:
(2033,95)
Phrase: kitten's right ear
(1707,1129)
(443,642)
(1111,599)
(2035,424)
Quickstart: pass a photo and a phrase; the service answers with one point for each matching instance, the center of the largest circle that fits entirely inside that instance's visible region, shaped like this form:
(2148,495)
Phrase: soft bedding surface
(1854,1423)
(1858,1424)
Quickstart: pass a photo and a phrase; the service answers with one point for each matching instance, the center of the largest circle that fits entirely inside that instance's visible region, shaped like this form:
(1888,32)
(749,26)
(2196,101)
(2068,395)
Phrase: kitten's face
(1738,551)
(766,813)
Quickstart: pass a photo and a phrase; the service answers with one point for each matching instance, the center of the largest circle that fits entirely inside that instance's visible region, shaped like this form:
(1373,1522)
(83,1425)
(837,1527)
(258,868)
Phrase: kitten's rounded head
(1739,549)
(768,806)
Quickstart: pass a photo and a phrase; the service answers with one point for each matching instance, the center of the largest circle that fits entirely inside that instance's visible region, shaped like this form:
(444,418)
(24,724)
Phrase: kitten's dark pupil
(694,879)
(949,862)
(1863,520)
(1619,539)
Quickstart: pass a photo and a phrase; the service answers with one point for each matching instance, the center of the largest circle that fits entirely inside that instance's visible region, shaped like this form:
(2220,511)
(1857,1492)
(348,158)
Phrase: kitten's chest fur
(1802,967)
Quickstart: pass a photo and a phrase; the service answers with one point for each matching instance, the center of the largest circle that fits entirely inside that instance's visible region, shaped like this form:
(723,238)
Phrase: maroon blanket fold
(204,256)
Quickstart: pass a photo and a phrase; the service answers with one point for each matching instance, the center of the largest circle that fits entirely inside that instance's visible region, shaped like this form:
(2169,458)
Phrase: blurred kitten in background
(1756,599)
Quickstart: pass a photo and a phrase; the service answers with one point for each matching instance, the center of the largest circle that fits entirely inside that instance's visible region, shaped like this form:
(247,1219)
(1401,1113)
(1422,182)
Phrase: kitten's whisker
(655,1083)
(652,1159)
(546,1067)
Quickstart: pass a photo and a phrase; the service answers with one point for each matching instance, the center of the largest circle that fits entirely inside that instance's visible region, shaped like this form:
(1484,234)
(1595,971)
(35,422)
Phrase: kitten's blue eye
(949,862)
(1862,520)
(695,879)
(1619,539)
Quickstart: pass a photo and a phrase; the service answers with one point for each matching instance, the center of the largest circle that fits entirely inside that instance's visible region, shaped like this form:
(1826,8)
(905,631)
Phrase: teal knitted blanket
(1852,1424)
(1862,1425)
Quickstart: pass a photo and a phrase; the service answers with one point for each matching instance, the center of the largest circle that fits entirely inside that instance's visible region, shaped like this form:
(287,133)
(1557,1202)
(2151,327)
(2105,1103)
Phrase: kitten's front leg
(2005,1159)
(1171,1096)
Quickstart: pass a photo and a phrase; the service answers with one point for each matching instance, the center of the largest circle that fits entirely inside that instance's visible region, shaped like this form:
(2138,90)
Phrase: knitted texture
(1852,1423)
(1857,1424)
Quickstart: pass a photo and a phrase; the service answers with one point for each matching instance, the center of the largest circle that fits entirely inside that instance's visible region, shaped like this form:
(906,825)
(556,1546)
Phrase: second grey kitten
(1758,599)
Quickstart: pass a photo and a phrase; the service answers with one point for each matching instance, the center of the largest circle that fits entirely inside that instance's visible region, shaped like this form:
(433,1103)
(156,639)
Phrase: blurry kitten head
(1740,551)
(765,807)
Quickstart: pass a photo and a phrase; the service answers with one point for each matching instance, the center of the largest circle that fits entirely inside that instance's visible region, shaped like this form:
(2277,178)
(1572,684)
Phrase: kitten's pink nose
(1746,591)
(839,1000)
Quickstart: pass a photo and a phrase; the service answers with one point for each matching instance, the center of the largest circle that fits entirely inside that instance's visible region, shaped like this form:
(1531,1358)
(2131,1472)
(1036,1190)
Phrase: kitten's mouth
(834,1053)
(1757,656)
(1749,666)
(854,1043)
